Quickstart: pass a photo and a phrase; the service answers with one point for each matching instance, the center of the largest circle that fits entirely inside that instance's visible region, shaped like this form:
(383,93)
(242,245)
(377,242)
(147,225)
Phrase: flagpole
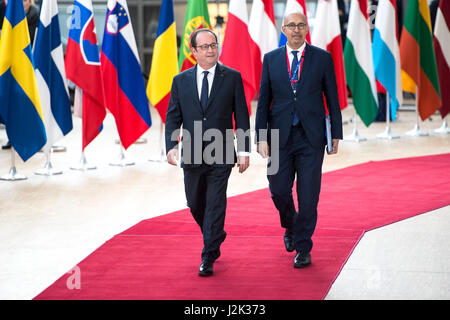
(82,164)
(443,128)
(121,160)
(387,134)
(162,156)
(48,169)
(355,137)
(13,175)
(416,131)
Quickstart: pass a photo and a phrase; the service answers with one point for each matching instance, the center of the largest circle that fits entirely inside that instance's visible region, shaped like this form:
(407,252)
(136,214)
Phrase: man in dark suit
(204,100)
(293,106)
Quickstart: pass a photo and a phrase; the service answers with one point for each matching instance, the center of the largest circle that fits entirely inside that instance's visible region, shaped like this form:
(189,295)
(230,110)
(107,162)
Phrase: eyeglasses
(292,26)
(205,47)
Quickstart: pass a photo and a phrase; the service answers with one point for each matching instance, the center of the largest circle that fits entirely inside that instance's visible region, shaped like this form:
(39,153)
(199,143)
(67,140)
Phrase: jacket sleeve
(332,98)
(241,116)
(174,118)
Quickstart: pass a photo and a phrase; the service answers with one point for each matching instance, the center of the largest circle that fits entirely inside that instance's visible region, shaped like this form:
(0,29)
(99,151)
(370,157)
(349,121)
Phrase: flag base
(387,134)
(443,129)
(121,161)
(354,137)
(138,141)
(416,132)
(162,158)
(48,170)
(13,175)
(83,165)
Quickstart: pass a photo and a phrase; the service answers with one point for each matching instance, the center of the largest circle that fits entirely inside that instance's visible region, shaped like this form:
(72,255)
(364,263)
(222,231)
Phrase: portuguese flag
(418,60)
(197,17)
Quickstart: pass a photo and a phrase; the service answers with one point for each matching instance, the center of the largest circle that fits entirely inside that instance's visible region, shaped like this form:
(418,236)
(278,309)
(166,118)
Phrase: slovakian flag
(51,75)
(197,17)
(125,94)
(386,53)
(294,6)
(20,105)
(418,60)
(83,68)
(442,48)
(164,61)
(263,33)
(237,36)
(327,35)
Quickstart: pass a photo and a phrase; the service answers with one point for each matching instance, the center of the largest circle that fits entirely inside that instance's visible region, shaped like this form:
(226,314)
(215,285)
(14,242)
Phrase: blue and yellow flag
(20,107)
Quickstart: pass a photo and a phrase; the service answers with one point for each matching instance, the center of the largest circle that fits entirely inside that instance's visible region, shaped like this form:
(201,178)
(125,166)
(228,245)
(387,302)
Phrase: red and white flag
(327,35)
(237,36)
(442,48)
(263,33)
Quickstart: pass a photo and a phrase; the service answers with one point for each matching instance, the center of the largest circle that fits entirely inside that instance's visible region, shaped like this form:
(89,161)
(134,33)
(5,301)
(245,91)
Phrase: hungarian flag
(418,60)
(358,60)
(82,63)
(442,47)
(263,33)
(386,53)
(237,36)
(294,6)
(124,85)
(164,62)
(197,17)
(327,35)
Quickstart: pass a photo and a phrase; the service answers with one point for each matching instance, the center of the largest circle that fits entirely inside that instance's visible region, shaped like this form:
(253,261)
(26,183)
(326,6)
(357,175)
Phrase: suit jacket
(277,101)
(226,99)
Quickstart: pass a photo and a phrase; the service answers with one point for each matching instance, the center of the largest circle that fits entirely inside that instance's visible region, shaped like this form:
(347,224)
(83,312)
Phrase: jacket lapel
(283,62)
(217,82)
(305,68)
(191,85)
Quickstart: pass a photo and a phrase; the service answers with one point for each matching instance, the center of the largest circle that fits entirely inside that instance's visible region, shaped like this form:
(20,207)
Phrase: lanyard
(298,69)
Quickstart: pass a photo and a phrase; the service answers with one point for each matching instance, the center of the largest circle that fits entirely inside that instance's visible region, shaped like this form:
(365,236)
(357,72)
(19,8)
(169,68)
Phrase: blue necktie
(293,66)
(205,89)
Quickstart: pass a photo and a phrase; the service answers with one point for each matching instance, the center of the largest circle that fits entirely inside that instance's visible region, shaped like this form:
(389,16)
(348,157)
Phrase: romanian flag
(197,17)
(164,62)
(418,61)
(20,106)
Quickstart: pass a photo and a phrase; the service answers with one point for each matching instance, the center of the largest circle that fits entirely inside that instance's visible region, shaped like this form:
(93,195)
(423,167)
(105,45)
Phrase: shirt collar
(300,50)
(211,70)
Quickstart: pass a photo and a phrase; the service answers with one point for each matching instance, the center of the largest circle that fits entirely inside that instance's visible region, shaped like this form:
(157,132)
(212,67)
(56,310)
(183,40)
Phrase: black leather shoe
(302,260)
(289,240)
(206,269)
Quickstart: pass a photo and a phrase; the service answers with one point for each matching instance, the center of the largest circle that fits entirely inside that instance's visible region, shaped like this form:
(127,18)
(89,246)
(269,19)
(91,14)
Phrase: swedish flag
(20,107)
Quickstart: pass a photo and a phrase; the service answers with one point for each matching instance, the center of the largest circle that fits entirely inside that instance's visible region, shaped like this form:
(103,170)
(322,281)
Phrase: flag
(20,106)
(83,68)
(123,81)
(418,60)
(197,17)
(294,6)
(164,61)
(237,36)
(327,35)
(51,75)
(263,33)
(386,53)
(359,63)
(442,48)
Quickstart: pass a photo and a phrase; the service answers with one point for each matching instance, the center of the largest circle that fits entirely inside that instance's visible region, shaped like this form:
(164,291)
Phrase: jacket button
(204,119)
(295,99)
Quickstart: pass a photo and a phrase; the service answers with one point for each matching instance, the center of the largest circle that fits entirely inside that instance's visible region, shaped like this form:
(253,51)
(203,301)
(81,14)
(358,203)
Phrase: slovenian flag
(51,74)
(123,81)
(20,106)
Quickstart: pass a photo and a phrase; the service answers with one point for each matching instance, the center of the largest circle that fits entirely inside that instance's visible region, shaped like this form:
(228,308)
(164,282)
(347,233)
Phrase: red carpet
(159,258)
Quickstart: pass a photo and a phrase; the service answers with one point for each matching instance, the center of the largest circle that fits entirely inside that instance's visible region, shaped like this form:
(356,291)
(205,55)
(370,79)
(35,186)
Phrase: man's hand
(263,149)
(172,157)
(335,146)
(243,163)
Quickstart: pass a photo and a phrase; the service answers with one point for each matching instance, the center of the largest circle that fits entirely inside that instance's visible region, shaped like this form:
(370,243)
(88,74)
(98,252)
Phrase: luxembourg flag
(51,74)
(124,85)
(386,53)
(294,6)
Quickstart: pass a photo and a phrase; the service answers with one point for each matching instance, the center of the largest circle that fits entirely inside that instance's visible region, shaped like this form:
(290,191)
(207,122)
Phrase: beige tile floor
(49,224)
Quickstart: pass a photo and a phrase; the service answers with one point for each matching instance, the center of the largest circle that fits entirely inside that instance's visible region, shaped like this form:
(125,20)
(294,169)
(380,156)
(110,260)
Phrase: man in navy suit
(295,81)
(204,99)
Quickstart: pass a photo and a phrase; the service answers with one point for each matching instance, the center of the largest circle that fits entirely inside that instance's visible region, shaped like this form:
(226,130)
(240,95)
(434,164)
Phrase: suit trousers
(206,194)
(298,158)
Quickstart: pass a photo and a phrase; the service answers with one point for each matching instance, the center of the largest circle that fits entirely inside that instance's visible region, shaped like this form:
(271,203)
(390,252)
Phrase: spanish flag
(164,62)
(20,106)
(418,60)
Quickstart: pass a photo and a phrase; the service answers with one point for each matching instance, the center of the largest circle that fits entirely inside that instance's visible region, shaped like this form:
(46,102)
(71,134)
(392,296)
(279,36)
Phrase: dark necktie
(205,89)
(293,66)
(294,86)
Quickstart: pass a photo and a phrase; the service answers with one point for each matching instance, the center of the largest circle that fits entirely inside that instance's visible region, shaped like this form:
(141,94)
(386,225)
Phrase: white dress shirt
(291,56)
(200,79)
